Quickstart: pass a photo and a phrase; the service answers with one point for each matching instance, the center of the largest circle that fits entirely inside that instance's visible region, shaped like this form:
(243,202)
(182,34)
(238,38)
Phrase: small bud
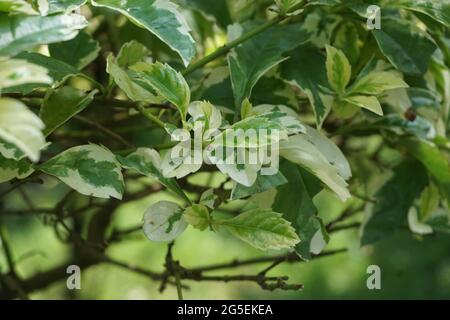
(198,216)
(410,115)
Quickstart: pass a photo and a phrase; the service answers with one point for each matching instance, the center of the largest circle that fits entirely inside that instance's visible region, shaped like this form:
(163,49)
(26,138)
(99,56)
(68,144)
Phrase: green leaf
(262,183)
(91,170)
(401,126)
(164,221)
(253,58)
(147,161)
(208,198)
(55,6)
(294,201)
(78,52)
(21,128)
(246,109)
(438,10)
(217,9)
(339,70)
(167,82)
(10,169)
(394,200)
(347,40)
(59,71)
(131,53)
(369,103)
(330,151)
(124,80)
(17,6)
(306,70)
(198,216)
(433,159)
(262,229)
(161,18)
(286,5)
(62,104)
(20,32)
(300,150)
(15,72)
(217,88)
(261,127)
(407,48)
(10,151)
(207,113)
(376,82)
(344,110)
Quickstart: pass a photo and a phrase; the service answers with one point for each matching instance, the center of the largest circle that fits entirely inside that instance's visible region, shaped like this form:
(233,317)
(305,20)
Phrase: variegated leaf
(164,221)
(167,82)
(161,18)
(262,229)
(21,128)
(10,169)
(298,149)
(147,161)
(91,170)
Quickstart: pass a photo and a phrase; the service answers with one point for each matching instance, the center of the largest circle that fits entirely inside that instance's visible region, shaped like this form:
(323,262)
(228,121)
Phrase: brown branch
(290,258)
(112,102)
(350,212)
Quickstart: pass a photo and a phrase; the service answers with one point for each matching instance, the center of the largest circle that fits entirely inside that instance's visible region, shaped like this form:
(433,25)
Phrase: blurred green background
(411,267)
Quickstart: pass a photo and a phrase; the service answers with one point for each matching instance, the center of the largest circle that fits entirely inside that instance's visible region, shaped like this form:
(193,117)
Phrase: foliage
(100,95)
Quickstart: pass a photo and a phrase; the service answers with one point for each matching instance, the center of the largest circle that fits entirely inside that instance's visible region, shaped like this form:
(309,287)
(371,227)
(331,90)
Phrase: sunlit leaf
(21,127)
(262,229)
(20,32)
(160,17)
(91,170)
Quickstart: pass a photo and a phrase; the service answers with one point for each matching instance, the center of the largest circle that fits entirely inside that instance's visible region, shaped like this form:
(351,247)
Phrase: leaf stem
(150,116)
(178,284)
(224,49)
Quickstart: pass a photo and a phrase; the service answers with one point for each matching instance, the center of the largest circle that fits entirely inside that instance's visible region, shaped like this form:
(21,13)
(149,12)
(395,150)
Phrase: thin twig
(223,50)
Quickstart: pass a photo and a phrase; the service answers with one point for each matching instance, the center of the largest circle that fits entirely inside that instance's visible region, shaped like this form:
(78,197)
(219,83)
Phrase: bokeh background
(411,267)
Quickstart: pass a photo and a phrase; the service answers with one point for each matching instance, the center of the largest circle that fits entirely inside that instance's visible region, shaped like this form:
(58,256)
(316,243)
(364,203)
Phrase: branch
(150,116)
(111,102)
(4,241)
(290,258)
(31,178)
(105,130)
(223,50)
(332,226)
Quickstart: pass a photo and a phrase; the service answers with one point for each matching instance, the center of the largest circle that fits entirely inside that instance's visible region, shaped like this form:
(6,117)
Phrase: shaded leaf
(62,104)
(406,47)
(294,201)
(253,58)
(394,200)
(78,52)
(262,183)
(306,70)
